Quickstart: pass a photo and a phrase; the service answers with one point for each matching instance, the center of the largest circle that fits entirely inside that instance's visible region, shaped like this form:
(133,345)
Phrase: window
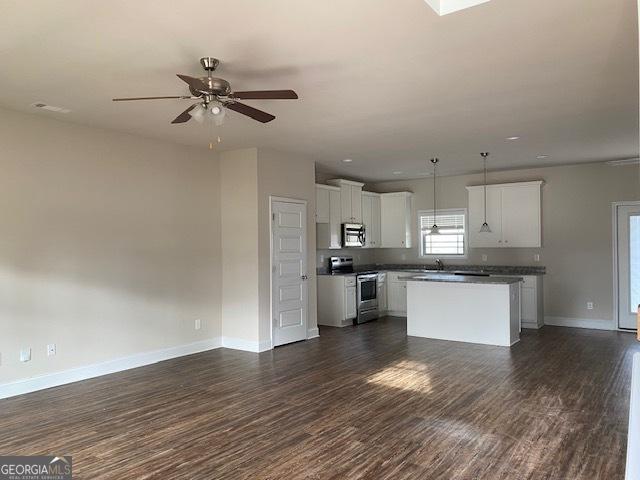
(452,239)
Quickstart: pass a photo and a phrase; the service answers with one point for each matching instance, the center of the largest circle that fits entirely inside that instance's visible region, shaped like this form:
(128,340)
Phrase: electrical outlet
(198,324)
(589,305)
(485,258)
(25,354)
(51,349)
(536,257)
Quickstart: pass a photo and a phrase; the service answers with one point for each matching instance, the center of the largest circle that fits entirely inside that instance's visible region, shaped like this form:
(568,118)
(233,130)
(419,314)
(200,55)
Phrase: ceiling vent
(444,7)
(51,108)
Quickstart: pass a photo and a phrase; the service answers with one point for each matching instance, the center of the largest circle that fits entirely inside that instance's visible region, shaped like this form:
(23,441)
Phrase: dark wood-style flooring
(361,402)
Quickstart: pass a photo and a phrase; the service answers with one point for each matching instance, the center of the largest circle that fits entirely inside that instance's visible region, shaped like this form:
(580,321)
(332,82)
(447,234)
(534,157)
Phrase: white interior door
(289,272)
(628,266)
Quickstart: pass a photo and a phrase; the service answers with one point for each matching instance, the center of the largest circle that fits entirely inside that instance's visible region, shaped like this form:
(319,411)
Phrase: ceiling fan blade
(266,95)
(184,116)
(195,83)
(147,98)
(254,113)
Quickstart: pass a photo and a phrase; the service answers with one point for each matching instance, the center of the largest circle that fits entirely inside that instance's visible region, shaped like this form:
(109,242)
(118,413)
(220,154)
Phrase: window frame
(465,240)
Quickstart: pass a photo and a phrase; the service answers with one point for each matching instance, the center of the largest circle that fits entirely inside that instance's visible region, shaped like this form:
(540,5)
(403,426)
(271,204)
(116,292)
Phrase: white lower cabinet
(350,307)
(337,300)
(396,294)
(382,294)
(531,301)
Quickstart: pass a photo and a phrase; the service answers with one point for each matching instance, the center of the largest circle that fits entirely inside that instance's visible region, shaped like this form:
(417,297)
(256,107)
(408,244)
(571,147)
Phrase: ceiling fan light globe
(217,113)
(197,114)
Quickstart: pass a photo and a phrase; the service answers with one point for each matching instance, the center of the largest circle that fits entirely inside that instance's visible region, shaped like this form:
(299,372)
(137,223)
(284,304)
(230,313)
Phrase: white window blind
(450,241)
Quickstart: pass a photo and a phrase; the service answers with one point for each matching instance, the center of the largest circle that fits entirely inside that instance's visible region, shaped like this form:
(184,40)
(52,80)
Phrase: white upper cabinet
(396,219)
(328,217)
(351,199)
(521,216)
(322,204)
(476,217)
(371,219)
(514,214)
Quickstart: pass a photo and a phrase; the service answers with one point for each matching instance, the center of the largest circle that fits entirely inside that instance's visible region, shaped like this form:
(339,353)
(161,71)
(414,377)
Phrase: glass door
(628,265)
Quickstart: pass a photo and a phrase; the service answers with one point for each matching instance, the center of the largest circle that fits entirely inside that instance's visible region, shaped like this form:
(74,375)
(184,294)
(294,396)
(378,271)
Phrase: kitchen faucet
(439,264)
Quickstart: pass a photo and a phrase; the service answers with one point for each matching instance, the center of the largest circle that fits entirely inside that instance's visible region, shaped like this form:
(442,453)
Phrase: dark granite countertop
(451,278)
(418,268)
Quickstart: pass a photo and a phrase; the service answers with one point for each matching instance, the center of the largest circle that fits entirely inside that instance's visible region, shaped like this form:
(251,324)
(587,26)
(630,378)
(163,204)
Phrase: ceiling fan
(215,94)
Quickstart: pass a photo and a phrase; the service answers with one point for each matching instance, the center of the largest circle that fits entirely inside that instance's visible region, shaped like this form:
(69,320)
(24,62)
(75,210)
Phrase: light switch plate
(51,349)
(589,305)
(485,258)
(25,354)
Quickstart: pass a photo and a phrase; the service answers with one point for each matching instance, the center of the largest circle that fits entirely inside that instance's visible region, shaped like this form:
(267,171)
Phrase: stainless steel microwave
(353,235)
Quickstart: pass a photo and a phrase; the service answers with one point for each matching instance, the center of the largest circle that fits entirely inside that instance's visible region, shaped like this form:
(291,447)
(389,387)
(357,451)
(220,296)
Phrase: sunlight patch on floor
(404,375)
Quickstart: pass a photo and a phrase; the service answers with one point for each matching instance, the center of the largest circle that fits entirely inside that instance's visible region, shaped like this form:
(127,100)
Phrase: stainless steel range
(366,288)
(367,297)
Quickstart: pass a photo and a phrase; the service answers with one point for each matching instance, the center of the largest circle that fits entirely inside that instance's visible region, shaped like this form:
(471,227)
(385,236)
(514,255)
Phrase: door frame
(299,201)
(616,286)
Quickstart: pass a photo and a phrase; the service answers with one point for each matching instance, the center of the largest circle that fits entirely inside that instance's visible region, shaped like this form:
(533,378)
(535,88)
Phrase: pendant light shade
(485,228)
(435,230)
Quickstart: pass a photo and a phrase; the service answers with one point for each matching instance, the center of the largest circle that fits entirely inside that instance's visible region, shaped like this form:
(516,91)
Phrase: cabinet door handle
(304,277)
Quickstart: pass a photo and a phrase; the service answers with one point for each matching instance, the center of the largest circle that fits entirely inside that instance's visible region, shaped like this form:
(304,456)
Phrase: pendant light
(485,226)
(435,230)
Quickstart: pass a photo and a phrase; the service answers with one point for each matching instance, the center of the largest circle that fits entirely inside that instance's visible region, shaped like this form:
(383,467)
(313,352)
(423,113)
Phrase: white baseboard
(593,323)
(531,325)
(313,333)
(41,382)
(246,345)
(396,314)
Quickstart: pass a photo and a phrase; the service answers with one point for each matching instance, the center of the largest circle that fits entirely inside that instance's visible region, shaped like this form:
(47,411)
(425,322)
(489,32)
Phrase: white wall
(240,266)
(577,230)
(290,176)
(249,178)
(109,246)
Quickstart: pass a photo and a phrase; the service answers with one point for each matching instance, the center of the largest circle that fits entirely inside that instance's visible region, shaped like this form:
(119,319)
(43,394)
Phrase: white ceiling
(386,83)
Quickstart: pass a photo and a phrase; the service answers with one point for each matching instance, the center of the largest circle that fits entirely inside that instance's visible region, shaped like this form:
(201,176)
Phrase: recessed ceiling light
(398,172)
(347,160)
(444,7)
(542,157)
(513,138)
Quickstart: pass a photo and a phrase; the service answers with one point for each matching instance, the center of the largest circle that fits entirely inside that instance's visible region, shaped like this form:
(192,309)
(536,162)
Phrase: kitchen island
(464,308)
